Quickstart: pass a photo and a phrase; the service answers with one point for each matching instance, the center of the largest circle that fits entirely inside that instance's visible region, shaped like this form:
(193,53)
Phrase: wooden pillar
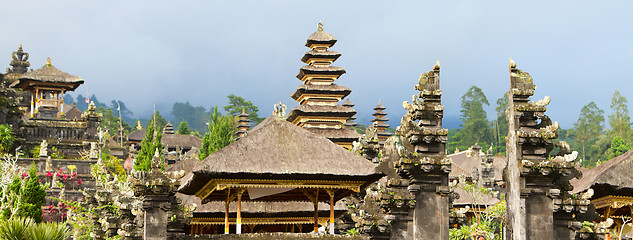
(61,104)
(316,211)
(226,211)
(238,226)
(331,193)
(32,105)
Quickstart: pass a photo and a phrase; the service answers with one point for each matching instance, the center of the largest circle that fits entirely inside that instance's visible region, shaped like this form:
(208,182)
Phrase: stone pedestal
(431,212)
(156,209)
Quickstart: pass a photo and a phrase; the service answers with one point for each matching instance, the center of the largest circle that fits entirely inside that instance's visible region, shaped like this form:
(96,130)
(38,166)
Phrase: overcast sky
(160,52)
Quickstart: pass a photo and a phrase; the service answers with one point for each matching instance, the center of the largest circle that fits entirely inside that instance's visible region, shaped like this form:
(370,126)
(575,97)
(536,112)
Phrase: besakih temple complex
(289,176)
(351,121)
(277,162)
(381,123)
(610,187)
(318,110)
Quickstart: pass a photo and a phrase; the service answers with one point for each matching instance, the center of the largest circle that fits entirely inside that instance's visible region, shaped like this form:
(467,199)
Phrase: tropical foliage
(221,132)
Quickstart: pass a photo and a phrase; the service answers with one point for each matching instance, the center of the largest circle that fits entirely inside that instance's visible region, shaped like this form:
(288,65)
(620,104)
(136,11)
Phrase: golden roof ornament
(512,64)
(320,26)
(138,125)
(279,110)
(437,65)
(48,61)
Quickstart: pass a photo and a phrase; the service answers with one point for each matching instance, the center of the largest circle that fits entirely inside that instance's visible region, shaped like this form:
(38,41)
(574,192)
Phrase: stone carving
(20,62)
(44,149)
(367,144)
(279,110)
(156,188)
(534,174)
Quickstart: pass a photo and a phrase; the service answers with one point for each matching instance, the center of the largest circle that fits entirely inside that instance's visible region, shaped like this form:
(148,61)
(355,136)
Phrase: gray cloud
(159,52)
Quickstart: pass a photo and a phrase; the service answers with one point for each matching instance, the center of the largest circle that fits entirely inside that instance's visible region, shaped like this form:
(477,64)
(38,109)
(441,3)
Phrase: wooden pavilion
(279,162)
(47,86)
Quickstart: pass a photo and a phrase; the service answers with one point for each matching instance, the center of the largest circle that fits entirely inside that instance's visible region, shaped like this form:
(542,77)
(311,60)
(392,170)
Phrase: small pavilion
(281,163)
(47,86)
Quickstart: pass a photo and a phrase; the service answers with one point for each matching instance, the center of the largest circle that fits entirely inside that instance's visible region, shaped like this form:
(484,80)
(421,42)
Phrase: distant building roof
(609,178)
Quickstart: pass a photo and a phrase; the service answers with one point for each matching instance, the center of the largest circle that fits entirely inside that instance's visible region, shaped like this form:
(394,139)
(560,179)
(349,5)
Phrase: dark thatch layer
(608,178)
(50,74)
(277,149)
(323,89)
(330,111)
(320,37)
(320,54)
(336,134)
(72,112)
(137,135)
(379,107)
(347,103)
(182,141)
(329,70)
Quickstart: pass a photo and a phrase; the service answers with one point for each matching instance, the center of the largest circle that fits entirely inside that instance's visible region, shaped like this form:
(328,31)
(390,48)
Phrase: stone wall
(276,236)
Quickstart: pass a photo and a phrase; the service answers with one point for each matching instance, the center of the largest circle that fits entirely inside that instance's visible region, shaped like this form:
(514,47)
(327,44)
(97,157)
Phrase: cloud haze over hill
(160,52)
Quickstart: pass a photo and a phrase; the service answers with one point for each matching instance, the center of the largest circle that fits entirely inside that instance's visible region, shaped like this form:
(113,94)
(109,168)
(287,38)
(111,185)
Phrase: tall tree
(126,115)
(110,122)
(619,120)
(160,121)
(589,126)
(6,139)
(501,123)
(150,144)
(32,196)
(475,125)
(221,132)
(236,104)
(183,128)
(196,117)
(618,147)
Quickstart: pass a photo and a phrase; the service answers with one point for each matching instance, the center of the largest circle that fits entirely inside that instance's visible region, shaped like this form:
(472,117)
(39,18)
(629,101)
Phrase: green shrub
(48,231)
(15,229)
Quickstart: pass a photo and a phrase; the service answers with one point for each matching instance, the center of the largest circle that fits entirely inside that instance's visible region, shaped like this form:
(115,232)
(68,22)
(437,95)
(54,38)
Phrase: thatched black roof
(329,70)
(320,37)
(331,111)
(137,135)
(320,54)
(610,178)
(320,89)
(48,74)
(182,141)
(277,149)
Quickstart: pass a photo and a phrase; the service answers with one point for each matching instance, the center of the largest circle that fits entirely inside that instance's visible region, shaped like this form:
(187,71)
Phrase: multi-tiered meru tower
(381,123)
(318,111)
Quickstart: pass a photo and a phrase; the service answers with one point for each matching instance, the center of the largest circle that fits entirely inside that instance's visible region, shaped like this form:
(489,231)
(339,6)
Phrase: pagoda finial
(512,64)
(20,47)
(138,125)
(320,26)
(243,111)
(437,65)
(279,110)
(48,61)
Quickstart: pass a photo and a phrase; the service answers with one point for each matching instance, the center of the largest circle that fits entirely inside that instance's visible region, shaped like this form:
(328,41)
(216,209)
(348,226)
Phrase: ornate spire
(20,62)
(381,123)
(318,96)
(138,125)
(350,121)
(243,124)
(169,128)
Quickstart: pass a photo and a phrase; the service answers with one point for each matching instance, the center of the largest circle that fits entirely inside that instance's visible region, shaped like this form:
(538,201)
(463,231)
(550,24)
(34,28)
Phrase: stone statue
(94,152)
(49,164)
(44,149)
